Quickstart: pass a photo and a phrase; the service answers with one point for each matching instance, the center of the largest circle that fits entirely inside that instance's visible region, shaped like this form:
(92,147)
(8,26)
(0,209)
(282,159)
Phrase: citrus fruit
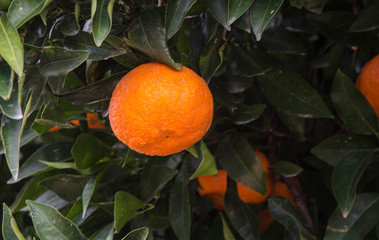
(368,82)
(156,110)
(214,186)
(265,219)
(91,124)
(282,189)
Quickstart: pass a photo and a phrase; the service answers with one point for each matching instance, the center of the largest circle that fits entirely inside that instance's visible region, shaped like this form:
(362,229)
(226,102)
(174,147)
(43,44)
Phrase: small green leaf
(345,179)
(11,107)
(101,16)
(6,81)
(175,13)
(137,234)
(51,224)
(368,18)
(241,163)
(289,91)
(104,234)
(179,211)
(89,189)
(246,114)
(11,48)
(69,26)
(352,106)
(207,164)
(126,207)
(149,36)
(261,12)
(151,183)
(226,230)
(362,218)
(57,61)
(236,8)
(21,11)
(59,165)
(9,228)
(283,211)
(286,168)
(88,150)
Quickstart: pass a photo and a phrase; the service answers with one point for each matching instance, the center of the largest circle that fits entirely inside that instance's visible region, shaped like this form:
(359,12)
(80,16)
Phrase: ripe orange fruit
(368,82)
(156,110)
(281,189)
(265,219)
(91,124)
(215,186)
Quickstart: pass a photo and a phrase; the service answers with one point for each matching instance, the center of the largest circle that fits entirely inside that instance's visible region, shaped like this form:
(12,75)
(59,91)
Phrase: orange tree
(282,75)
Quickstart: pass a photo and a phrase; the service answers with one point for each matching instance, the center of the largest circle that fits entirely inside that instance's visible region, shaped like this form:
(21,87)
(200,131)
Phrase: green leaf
(363,217)
(149,36)
(368,18)
(241,216)
(207,164)
(88,150)
(345,179)
(137,234)
(21,11)
(51,224)
(289,91)
(352,106)
(104,234)
(283,211)
(6,81)
(280,40)
(57,61)
(226,230)
(286,168)
(84,41)
(241,163)
(236,8)
(126,207)
(295,124)
(35,83)
(151,183)
(261,12)
(59,165)
(175,13)
(10,229)
(211,56)
(70,25)
(11,48)
(11,107)
(89,189)
(334,149)
(315,6)
(98,91)
(101,16)
(53,152)
(179,211)
(246,114)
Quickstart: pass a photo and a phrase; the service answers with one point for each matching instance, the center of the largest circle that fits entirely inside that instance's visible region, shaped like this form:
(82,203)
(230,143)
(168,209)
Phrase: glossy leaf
(211,56)
(101,16)
(35,83)
(84,41)
(151,183)
(363,217)
(352,106)
(280,40)
(9,227)
(241,163)
(87,150)
(179,211)
(286,168)
(246,114)
(241,216)
(295,124)
(346,176)
(99,91)
(283,211)
(288,91)
(51,224)
(237,8)
(226,230)
(207,164)
(54,152)
(137,234)
(368,18)
(6,81)
(88,191)
(148,35)
(67,186)
(104,234)
(59,61)
(126,207)
(175,13)
(70,25)
(21,11)
(11,48)
(261,12)
(11,131)
(11,107)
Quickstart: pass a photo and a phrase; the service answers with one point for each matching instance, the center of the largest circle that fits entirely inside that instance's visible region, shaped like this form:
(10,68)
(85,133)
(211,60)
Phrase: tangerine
(156,110)
(265,219)
(91,124)
(368,82)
